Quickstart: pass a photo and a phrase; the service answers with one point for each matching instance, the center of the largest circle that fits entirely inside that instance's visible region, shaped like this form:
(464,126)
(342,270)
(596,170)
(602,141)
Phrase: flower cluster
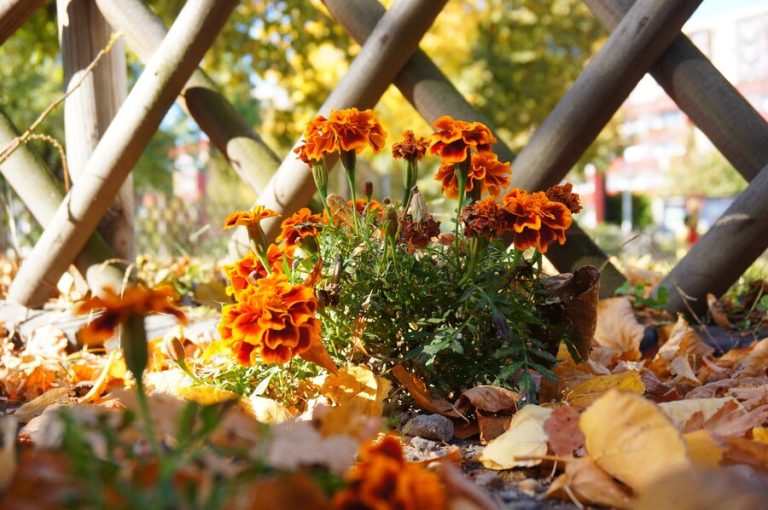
(384,480)
(343,130)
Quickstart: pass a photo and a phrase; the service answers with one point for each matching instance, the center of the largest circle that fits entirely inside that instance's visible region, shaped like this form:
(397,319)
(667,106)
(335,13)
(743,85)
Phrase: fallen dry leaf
(631,438)
(755,363)
(355,382)
(36,406)
(618,328)
(697,489)
(295,491)
(583,395)
(760,434)
(462,493)
(525,437)
(563,432)
(589,484)
(703,449)
(717,312)
(492,399)
(8,426)
(681,411)
(298,444)
(739,450)
(420,393)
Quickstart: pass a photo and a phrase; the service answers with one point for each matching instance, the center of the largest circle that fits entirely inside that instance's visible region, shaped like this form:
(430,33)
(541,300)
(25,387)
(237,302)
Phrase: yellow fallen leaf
(754,363)
(680,411)
(590,390)
(684,341)
(760,434)
(101,382)
(355,382)
(525,437)
(618,328)
(266,410)
(703,450)
(631,438)
(206,395)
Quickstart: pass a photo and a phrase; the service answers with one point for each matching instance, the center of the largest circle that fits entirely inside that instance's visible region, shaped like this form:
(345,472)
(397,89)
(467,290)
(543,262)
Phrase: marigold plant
(387,284)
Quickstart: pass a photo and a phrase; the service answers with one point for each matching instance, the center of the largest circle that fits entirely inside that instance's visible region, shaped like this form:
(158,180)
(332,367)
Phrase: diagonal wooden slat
(39,190)
(717,260)
(13,14)
(392,43)
(644,33)
(75,220)
(432,94)
(249,155)
(732,124)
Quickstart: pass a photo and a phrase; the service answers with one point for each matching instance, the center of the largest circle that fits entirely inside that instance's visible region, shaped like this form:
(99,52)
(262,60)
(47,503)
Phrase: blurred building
(658,135)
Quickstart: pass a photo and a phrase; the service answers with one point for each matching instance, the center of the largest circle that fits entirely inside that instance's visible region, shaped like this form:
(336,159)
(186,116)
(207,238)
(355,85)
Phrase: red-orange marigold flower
(275,321)
(249,218)
(410,147)
(300,224)
(485,218)
(486,171)
(357,129)
(384,480)
(453,139)
(565,195)
(248,269)
(538,221)
(134,301)
(344,130)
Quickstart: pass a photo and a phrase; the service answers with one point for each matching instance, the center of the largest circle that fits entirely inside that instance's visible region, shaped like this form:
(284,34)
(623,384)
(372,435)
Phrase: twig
(62,155)
(24,138)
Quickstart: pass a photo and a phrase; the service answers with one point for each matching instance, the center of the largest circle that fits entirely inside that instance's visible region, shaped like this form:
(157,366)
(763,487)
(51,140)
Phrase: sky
(713,7)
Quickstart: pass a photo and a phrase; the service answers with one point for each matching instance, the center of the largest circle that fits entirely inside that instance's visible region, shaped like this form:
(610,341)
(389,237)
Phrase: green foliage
(419,308)
(637,295)
(708,175)
(642,216)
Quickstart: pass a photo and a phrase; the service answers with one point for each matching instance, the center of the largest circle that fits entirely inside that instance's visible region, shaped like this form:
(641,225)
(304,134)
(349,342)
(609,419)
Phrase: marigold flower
(249,218)
(538,221)
(410,148)
(485,170)
(565,195)
(485,218)
(298,226)
(274,321)
(248,269)
(384,480)
(319,141)
(453,139)
(117,309)
(344,130)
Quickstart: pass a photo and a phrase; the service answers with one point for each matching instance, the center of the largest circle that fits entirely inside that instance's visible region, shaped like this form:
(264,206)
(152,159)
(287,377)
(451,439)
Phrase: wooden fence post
(39,190)
(250,157)
(179,54)
(717,260)
(392,43)
(13,14)
(432,94)
(644,33)
(732,124)
(84,32)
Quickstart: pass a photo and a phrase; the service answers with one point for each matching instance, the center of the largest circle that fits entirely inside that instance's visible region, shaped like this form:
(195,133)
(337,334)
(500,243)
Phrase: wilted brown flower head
(410,147)
(486,219)
(565,195)
(418,234)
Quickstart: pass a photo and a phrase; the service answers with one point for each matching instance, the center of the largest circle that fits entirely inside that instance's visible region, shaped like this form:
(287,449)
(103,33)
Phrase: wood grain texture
(13,14)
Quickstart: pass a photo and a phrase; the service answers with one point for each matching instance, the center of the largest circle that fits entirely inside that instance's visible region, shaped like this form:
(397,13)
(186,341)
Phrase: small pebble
(430,426)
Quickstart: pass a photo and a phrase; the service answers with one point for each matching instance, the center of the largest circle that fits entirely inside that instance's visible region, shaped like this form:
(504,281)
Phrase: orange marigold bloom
(410,147)
(486,171)
(275,321)
(538,221)
(485,218)
(249,218)
(117,309)
(565,195)
(384,480)
(344,130)
(248,269)
(299,225)
(357,129)
(453,139)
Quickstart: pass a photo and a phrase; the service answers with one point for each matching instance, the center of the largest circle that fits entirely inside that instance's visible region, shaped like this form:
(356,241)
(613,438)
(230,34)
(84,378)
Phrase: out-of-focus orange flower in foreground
(274,320)
(453,139)
(384,480)
(538,221)
(117,309)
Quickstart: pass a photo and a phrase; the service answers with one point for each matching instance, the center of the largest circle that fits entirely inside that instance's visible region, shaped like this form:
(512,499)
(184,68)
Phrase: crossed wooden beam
(646,38)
